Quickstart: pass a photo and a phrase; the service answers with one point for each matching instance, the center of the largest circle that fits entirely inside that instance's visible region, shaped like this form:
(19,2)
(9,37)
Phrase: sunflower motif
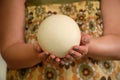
(85,72)
(50,73)
(89,7)
(39,10)
(81,17)
(68,9)
(107,66)
(92,27)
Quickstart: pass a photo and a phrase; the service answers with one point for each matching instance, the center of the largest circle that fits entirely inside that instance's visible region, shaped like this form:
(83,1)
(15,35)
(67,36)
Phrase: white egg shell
(57,34)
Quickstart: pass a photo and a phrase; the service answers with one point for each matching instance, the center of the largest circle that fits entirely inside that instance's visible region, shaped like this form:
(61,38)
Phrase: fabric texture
(42,2)
(87,15)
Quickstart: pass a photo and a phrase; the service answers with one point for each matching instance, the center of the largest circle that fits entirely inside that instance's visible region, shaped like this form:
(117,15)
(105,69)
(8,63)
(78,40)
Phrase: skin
(19,55)
(107,46)
(14,50)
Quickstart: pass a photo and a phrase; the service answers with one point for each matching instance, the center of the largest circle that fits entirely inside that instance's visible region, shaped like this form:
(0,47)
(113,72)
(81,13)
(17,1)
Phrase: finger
(62,64)
(57,60)
(70,61)
(37,47)
(66,63)
(69,57)
(43,55)
(75,54)
(81,49)
(85,39)
(50,58)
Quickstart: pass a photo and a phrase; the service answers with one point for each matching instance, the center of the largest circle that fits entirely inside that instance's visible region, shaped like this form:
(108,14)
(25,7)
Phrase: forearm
(11,29)
(11,22)
(106,47)
(21,55)
(16,53)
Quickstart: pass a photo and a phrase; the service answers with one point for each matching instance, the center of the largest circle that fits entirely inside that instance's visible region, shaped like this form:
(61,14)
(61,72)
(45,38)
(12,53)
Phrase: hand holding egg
(57,34)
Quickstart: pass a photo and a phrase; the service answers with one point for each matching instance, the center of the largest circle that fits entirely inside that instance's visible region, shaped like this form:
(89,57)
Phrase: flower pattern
(68,9)
(85,71)
(107,66)
(39,10)
(50,73)
(87,14)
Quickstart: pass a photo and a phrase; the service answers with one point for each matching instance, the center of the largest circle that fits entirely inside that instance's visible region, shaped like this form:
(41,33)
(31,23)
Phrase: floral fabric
(87,15)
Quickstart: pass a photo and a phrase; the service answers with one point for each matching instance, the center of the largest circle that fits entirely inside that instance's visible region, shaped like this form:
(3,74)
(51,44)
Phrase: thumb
(43,55)
(85,39)
(37,47)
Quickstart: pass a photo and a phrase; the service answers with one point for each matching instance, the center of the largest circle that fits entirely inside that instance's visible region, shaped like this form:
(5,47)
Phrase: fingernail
(72,53)
(47,54)
(57,59)
(68,56)
(76,48)
(85,40)
(52,57)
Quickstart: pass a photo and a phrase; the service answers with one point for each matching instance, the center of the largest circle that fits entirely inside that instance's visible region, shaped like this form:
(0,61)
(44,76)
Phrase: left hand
(76,53)
(79,51)
(69,59)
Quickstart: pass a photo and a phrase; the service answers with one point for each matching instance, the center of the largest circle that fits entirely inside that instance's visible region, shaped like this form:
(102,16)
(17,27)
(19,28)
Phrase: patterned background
(87,15)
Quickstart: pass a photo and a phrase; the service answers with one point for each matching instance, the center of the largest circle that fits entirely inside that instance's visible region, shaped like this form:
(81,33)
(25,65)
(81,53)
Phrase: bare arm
(16,53)
(108,46)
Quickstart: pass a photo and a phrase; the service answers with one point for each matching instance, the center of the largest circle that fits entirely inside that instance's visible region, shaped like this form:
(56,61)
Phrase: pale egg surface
(57,34)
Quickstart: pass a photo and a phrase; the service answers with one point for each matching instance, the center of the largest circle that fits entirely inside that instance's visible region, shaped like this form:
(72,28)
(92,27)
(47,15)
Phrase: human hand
(47,57)
(60,62)
(76,53)
(79,51)
(43,55)
(53,59)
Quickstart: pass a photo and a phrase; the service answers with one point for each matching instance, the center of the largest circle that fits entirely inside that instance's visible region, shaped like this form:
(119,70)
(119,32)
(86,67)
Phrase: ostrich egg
(57,34)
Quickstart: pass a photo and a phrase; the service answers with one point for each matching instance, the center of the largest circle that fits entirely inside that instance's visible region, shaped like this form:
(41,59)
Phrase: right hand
(43,55)
(48,57)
